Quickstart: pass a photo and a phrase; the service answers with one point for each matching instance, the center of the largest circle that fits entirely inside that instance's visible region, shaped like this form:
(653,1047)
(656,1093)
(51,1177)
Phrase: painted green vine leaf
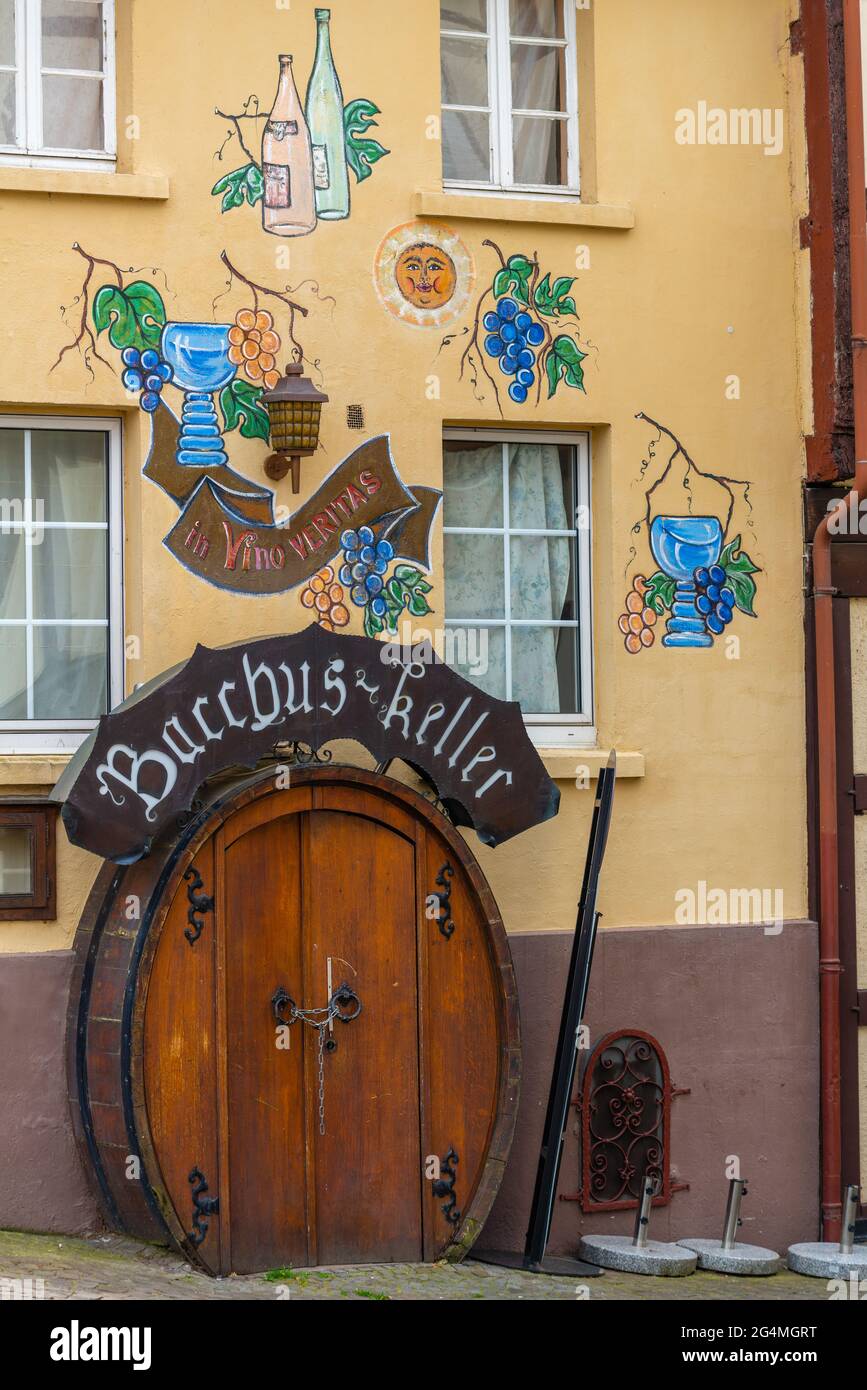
(659,594)
(244,185)
(362,151)
(563,363)
(135,316)
(406,589)
(242,409)
(555,301)
(739,570)
(514,279)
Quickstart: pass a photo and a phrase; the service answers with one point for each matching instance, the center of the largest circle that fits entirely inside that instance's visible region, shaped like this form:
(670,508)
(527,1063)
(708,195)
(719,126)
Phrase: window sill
(496,207)
(31,770)
(563,764)
(80,182)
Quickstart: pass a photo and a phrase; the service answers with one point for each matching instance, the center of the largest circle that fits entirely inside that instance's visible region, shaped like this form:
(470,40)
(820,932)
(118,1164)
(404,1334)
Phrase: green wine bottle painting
(324,111)
(299,160)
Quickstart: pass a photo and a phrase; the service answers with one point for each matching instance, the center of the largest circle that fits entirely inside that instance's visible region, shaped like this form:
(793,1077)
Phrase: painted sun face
(426,276)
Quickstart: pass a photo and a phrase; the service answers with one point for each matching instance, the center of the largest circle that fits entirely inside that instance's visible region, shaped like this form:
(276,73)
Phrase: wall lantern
(294,407)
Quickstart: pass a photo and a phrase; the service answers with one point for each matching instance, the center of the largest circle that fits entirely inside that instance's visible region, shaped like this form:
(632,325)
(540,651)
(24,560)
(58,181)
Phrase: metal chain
(320,1019)
(322,1028)
(310,1017)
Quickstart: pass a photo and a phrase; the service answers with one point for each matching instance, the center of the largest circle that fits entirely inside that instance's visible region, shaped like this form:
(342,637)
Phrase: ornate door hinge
(441,901)
(203,1207)
(199,904)
(444,1186)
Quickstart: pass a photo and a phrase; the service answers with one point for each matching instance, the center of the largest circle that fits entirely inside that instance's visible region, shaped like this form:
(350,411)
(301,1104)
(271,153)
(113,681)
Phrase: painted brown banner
(142,767)
(227,533)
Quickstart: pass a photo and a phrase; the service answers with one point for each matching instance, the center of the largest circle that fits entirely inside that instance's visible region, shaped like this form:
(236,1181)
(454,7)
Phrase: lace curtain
(540,566)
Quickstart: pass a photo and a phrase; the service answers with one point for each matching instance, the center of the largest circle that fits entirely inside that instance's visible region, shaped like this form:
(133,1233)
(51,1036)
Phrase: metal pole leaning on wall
(566,1056)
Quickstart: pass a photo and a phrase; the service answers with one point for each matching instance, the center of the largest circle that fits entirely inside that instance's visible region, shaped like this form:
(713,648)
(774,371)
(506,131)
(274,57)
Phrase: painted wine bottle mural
(288,204)
(307,153)
(324,108)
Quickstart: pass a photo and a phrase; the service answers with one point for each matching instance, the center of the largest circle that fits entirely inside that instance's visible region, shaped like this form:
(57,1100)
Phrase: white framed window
(57,83)
(61,579)
(517,568)
(510,95)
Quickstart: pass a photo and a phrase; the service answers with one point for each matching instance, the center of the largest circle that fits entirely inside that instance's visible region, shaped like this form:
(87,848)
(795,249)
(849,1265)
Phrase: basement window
(27,863)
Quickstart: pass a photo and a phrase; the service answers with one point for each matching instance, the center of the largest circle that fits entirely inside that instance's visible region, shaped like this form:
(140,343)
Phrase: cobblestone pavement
(111,1267)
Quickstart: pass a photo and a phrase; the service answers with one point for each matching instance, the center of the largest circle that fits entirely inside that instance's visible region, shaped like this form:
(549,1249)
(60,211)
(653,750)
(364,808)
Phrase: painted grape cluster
(513,337)
(639,620)
(366,561)
(715,601)
(328,599)
(146,373)
(254,346)
(527,322)
(365,564)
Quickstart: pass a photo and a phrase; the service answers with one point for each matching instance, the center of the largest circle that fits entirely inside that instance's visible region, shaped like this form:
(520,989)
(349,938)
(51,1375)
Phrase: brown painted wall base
(737,1014)
(42,1184)
(735,1010)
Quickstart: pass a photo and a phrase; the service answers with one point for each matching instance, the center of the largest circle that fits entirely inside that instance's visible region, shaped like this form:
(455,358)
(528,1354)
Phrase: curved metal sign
(143,764)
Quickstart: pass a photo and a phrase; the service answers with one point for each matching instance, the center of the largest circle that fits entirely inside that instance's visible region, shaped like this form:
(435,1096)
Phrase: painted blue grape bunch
(513,337)
(715,601)
(145,372)
(366,561)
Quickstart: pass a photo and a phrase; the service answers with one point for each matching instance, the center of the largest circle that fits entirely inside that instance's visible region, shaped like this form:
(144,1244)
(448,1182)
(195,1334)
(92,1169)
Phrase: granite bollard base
(656,1257)
(740,1259)
(824,1260)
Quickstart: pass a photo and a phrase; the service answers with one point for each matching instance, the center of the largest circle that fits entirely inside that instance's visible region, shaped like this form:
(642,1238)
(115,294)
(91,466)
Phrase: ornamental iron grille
(625,1106)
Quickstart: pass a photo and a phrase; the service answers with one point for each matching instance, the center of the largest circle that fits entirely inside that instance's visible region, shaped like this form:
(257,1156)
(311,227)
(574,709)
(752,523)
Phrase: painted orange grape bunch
(255,345)
(327,598)
(638,622)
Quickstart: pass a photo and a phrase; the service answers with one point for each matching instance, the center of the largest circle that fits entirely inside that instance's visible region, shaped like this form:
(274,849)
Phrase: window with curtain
(60,559)
(517,572)
(57,102)
(509,94)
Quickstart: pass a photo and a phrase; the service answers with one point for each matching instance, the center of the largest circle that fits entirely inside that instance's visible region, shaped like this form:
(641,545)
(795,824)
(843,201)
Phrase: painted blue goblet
(681,545)
(198,354)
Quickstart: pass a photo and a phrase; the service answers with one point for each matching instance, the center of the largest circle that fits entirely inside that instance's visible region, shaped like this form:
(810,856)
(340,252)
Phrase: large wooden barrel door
(385,1143)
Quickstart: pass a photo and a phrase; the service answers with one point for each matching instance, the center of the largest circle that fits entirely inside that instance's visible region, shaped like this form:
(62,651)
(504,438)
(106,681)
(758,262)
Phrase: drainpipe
(823,596)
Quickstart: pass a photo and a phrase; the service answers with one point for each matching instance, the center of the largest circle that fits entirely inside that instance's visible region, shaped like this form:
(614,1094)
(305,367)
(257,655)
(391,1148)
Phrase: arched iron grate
(625,1107)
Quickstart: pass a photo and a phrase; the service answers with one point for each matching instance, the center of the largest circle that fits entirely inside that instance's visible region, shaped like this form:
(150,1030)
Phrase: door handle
(342,1000)
(279,999)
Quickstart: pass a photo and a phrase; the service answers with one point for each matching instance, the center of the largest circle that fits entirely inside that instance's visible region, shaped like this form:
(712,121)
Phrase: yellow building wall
(694,276)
